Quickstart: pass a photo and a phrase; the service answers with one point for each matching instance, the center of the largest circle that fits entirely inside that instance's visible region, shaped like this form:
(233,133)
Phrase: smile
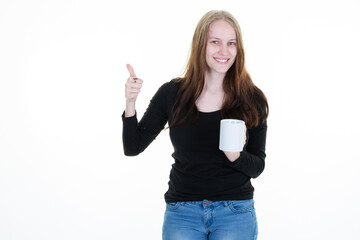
(222,60)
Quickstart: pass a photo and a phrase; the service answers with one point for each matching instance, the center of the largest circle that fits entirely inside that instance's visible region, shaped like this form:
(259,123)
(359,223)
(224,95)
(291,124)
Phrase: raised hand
(132,86)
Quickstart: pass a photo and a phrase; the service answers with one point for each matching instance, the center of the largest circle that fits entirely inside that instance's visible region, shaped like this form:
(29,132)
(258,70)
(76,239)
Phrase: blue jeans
(218,220)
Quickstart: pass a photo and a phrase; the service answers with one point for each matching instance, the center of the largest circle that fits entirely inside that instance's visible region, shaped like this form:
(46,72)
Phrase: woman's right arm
(138,135)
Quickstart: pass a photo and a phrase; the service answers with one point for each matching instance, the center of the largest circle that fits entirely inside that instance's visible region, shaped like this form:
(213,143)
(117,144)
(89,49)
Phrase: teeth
(221,60)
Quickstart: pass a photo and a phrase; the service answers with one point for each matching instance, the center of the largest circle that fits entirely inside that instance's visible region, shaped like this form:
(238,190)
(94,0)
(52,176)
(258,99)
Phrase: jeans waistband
(215,203)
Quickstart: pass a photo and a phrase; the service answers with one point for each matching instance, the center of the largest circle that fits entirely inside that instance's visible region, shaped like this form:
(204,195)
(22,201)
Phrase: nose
(224,50)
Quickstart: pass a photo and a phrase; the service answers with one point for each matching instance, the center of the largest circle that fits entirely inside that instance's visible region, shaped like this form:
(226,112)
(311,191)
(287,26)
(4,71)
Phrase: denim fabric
(214,220)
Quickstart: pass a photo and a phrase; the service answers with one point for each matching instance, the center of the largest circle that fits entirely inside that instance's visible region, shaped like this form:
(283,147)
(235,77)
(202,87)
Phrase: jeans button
(207,203)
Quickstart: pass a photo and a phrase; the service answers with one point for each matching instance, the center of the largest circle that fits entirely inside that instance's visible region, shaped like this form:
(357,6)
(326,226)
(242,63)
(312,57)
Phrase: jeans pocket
(173,205)
(242,206)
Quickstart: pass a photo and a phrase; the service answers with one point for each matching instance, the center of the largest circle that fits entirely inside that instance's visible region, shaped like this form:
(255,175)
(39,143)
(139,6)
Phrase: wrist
(232,156)
(130,108)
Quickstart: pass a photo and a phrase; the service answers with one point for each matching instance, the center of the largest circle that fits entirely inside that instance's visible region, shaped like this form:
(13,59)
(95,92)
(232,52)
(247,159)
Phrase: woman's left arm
(251,161)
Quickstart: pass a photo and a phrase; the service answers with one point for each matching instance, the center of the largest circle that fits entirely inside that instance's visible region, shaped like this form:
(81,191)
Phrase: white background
(63,174)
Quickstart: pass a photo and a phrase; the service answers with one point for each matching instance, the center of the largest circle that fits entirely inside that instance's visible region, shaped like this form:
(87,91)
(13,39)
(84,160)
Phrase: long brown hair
(243,100)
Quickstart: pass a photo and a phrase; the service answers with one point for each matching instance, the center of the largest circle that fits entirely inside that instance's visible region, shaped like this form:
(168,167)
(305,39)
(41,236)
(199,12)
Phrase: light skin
(132,89)
(220,55)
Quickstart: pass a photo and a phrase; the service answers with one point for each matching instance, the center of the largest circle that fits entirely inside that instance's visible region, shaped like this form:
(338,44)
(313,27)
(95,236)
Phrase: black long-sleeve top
(201,170)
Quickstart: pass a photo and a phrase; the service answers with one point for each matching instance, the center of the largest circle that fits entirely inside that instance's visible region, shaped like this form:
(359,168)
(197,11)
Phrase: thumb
(131,70)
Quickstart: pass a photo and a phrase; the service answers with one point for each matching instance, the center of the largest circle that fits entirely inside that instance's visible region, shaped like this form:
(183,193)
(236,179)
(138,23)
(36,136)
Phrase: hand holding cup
(232,137)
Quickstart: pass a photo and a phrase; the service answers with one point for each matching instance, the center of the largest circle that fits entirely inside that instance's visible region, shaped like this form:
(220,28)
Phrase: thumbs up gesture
(132,86)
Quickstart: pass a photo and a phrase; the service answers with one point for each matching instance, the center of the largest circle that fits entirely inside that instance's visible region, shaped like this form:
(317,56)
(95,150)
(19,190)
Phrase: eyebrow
(221,39)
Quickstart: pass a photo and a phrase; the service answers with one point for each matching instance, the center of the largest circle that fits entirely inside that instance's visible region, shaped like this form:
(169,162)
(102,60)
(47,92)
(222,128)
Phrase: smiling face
(221,47)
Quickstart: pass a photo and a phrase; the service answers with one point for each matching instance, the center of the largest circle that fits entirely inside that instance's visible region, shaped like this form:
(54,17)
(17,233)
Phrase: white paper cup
(232,135)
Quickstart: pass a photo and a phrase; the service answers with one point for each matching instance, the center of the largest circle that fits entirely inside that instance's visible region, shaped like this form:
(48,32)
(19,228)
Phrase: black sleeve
(137,136)
(252,159)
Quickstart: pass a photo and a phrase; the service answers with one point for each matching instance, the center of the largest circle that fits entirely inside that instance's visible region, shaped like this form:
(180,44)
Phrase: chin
(222,70)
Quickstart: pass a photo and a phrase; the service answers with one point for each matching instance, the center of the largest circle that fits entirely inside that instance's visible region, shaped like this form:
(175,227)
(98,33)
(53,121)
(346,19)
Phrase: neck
(214,81)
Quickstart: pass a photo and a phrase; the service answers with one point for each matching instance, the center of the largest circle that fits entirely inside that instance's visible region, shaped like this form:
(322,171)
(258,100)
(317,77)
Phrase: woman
(210,195)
